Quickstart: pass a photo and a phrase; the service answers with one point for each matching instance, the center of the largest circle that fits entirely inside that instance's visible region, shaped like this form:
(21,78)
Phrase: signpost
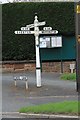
(37,32)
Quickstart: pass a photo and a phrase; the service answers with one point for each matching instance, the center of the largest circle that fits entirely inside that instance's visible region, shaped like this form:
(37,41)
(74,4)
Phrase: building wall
(46,67)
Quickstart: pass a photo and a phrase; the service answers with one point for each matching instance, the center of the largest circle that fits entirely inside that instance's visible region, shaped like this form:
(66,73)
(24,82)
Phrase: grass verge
(66,107)
(69,76)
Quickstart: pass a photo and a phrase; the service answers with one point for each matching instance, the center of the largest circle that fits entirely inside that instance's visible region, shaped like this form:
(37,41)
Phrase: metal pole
(78,45)
(38,69)
(61,66)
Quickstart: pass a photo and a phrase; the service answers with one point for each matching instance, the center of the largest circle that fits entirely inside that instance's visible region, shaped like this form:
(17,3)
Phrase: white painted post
(71,70)
(15,82)
(38,69)
(26,85)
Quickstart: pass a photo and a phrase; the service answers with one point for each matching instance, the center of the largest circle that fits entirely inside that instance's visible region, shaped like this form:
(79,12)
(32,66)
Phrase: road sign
(41,23)
(30,26)
(24,32)
(78,9)
(25,28)
(47,28)
(37,24)
(49,32)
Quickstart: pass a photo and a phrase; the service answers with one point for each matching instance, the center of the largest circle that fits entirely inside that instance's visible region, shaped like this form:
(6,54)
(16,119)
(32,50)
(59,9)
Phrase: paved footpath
(53,90)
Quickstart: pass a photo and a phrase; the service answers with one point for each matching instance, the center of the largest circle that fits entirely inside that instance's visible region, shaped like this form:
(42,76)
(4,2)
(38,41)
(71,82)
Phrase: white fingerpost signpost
(37,32)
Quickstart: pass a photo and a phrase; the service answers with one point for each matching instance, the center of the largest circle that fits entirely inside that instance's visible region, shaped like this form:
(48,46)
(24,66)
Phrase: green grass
(69,76)
(66,107)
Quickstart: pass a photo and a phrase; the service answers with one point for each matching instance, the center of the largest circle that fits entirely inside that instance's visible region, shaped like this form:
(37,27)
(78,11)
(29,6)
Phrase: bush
(68,76)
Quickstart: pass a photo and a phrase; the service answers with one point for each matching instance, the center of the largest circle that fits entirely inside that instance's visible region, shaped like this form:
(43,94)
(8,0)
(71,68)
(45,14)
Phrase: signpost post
(37,32)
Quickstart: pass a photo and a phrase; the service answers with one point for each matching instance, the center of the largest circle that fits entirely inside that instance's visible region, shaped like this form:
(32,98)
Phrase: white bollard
(15,82)
(26,85)
(72,70)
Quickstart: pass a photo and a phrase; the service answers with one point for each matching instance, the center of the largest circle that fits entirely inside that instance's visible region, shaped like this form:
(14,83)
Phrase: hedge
(59,15)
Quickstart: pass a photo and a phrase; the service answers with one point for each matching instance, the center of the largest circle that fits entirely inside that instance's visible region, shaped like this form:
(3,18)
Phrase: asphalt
(53,90)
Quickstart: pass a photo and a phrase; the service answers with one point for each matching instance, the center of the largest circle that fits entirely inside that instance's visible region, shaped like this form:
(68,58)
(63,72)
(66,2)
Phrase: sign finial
(36,14)
(36,17)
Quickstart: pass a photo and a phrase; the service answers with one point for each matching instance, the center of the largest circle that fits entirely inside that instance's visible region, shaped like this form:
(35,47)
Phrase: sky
(6,1)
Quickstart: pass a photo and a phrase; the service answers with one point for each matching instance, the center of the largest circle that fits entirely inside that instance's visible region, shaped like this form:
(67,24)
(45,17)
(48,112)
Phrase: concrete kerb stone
(35,115)
(47,116)
(30,115)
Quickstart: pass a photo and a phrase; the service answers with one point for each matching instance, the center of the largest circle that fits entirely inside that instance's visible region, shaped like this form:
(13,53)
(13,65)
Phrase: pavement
(53,90)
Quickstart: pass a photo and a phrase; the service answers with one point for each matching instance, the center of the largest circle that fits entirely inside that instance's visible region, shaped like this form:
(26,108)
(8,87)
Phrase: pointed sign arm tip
(15,32)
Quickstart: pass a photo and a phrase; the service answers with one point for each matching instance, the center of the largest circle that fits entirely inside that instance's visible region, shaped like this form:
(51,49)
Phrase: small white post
(71,70)
(15,82)
(26,85)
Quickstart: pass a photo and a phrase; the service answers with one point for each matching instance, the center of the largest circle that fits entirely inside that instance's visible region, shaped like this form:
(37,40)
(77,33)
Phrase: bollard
(15,82)
(15,78)
(26,85)
(26,82)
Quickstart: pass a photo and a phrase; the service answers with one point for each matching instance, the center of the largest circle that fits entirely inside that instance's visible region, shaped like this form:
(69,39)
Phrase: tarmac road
(53,90)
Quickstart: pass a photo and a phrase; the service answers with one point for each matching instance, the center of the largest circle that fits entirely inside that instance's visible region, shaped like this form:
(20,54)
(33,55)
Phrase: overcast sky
(6,1)
(3,1)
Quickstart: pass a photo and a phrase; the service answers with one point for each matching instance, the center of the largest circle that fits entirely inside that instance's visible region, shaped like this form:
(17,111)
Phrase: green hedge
(18,47)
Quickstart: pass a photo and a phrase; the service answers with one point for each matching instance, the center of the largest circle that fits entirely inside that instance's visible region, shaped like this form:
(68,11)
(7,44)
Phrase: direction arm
(24,32)
(30,26)
(48,32)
